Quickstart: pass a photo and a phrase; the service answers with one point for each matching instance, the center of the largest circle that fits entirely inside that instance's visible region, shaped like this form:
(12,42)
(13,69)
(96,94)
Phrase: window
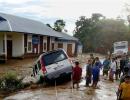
(54,57)
(120,47)
(29,46)
(36,69)
(39,65)
(29,43)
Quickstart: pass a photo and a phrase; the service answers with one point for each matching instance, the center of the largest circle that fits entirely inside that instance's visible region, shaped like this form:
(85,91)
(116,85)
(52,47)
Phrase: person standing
(112,70)
(88,72)
(117,74)
(122,65)
(126,73)
(77,73)
(96,74)
(106,66)
(91,56)
(124,89)
(99,62)
(92,59)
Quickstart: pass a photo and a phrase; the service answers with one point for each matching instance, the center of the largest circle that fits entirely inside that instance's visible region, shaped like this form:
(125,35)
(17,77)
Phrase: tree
(99,32)
(59,25)
(85,30)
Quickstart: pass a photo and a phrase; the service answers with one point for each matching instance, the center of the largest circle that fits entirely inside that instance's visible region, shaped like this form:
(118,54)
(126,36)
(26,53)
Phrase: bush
(10,82)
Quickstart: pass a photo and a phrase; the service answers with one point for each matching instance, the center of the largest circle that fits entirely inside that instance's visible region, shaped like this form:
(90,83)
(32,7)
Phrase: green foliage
(10,82)
(98,32)
(86,29)
(59,25)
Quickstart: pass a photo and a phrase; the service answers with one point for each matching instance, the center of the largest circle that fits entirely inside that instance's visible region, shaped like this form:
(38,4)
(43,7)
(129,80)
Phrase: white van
(120,47)
(52,65)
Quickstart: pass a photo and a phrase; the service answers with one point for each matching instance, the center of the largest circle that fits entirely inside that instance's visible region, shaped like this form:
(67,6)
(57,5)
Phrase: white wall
(1,43)
(18,45)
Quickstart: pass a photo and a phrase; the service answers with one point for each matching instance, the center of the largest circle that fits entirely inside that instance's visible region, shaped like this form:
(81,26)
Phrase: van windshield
(54,57)
(120,47)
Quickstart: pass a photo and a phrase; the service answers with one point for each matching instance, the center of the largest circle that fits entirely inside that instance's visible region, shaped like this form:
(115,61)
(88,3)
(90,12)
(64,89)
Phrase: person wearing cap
(124,89)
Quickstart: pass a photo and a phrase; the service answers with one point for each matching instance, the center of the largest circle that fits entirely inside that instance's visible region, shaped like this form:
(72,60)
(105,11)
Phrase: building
(22,37)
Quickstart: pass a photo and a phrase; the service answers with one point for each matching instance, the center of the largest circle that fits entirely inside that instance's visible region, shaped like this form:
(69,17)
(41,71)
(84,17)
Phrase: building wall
(65,46)
(17,45)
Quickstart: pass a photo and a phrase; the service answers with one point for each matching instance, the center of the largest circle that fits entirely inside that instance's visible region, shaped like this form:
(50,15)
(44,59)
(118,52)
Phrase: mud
(64,91)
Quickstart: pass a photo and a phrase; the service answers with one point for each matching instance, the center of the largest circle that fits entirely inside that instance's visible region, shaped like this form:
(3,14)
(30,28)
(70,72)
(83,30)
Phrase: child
(124,89)
(96,74)
(77,72)
(88,72)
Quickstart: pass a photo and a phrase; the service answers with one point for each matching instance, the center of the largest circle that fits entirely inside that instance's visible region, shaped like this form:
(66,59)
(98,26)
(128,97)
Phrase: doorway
(9,49)
(69,50)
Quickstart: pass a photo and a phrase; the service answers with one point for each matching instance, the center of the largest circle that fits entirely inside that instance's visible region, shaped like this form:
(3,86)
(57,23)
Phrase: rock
(29,80)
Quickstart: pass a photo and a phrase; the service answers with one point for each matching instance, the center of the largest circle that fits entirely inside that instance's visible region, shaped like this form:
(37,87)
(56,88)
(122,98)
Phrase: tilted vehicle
(52,65)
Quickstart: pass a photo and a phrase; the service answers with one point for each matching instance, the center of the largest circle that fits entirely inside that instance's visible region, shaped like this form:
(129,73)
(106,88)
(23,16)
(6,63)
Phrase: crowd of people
(114,68)
(93,67)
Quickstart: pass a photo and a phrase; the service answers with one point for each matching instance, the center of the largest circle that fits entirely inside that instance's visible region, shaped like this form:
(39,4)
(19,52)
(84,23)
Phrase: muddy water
(106,91)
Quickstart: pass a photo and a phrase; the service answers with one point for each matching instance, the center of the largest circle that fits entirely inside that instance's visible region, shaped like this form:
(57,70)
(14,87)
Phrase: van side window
(39,65)
(34,72)
(36,69)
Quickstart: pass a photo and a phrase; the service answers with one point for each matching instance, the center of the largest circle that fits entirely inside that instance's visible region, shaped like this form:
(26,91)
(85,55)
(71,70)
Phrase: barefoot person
(77,73)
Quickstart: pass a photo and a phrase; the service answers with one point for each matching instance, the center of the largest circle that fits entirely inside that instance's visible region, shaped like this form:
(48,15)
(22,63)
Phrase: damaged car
(52,65)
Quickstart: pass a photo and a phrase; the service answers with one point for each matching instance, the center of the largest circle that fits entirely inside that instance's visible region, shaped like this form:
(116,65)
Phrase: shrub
(10,82)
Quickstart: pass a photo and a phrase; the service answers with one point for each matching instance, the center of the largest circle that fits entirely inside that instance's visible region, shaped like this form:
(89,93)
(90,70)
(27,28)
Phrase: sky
(48,11)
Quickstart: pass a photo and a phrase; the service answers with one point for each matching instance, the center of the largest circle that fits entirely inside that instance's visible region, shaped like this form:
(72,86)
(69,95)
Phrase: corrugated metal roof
(19,24)
(65,36)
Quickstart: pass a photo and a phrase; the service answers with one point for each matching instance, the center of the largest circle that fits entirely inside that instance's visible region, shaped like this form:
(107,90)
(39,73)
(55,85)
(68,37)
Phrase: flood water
(106,91)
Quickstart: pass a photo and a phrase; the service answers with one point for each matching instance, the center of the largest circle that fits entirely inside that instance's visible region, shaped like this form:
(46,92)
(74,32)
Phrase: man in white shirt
(112,69)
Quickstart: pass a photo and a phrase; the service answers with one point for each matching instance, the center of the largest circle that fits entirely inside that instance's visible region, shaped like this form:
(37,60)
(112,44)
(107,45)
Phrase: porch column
(5,45)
